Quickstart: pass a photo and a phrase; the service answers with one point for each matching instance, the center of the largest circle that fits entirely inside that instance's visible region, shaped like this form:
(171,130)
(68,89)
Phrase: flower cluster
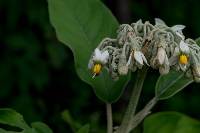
(143,44)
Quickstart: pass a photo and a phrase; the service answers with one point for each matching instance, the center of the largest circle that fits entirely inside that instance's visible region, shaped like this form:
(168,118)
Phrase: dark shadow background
(37,74)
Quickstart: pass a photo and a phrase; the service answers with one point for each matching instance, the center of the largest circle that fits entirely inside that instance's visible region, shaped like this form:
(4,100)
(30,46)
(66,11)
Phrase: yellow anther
(183,59)
(97,69)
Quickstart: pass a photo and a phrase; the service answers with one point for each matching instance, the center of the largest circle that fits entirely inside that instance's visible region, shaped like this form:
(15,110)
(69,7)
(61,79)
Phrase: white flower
(139,58)
(180,57)
(98,60)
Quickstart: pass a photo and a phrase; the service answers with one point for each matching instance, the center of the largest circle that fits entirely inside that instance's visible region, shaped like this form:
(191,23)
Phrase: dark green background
(37,74)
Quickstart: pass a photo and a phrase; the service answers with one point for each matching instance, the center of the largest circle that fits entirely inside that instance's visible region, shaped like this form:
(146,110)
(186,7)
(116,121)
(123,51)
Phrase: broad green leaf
(12,118)
(81,25)
(84,129)
(170,84)
(41,127)
(170,122)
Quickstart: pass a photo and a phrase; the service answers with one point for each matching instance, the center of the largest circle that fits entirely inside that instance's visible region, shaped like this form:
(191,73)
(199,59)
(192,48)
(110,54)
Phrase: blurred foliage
(14,122)
(37,74)
(173,122)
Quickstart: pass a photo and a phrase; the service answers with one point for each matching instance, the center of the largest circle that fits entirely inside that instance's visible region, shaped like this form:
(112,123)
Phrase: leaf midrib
(172,83)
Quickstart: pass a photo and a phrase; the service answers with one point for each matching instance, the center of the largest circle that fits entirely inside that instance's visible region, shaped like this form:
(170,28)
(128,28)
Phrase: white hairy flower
(181,56)
(98,60)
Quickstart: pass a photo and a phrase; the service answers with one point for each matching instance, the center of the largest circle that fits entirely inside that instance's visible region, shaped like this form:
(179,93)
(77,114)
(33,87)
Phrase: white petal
(184,47)
(97,55)
(104,57)
(90,64)
(97,52)
(178,28)
(129,59)
(159,21)
(144,59)
(138,57)
(176,51)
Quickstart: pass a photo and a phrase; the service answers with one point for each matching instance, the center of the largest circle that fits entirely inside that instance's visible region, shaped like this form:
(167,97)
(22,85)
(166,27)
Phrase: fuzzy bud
(196,71)
(164,70)
(161,55)
(122,67)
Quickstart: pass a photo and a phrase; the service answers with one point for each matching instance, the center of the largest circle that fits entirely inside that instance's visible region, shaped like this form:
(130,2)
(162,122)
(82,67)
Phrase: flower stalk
(126,122)
(109,118)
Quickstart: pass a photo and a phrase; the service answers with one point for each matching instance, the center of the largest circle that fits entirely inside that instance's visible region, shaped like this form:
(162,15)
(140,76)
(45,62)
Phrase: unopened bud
(196,71)
(161,56)
(123,70)
(164,69)
(122,67)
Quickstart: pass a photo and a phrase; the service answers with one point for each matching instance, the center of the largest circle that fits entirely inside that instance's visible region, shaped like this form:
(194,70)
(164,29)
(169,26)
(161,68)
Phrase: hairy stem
(126,122)
(137,119)
(109,118)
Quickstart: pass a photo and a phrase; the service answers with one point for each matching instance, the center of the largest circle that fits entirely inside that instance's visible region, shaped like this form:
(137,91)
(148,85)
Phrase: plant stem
(109,118)
(143,113)
(126,122)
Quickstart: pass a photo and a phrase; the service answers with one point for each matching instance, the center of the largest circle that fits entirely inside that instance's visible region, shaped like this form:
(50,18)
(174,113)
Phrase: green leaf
(81,25)
(170,84)
(170,122)
(41,127)
(84,129)
(15,120)
(12,118)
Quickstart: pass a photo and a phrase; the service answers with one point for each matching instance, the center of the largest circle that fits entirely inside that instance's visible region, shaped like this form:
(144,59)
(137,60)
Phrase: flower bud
(161,55)
(196,70)
(123,70)
(164,69)
(122,66)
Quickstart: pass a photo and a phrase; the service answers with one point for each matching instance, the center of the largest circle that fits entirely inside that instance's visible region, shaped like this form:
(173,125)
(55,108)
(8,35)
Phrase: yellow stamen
(96,69)
(183,59)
